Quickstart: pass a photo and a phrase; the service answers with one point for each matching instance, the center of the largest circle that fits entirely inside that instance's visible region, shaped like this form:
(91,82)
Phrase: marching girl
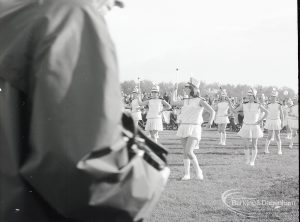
(135,107)
(251,131)
(293,120)
(154,115)
(274,121)
(287,103)
(222,116)
(190,126)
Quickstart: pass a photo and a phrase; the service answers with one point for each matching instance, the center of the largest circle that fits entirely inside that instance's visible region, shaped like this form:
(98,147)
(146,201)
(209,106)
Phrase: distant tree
(239,90)
(146,85)
(128,86)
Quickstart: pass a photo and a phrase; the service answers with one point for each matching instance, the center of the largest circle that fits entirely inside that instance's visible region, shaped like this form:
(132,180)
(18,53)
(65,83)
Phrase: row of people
(190,128)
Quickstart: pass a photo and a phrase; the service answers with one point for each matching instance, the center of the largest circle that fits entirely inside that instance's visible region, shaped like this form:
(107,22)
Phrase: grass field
(274,178)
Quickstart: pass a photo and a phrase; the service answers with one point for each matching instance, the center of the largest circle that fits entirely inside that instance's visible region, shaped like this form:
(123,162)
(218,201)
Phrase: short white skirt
(221,120)
(154,124)
(189,130)
(136,116)
(273,124)
(250,131)
(293,123)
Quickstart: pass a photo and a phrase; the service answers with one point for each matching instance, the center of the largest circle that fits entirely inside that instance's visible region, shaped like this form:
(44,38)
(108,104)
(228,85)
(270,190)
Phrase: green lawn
(274,178)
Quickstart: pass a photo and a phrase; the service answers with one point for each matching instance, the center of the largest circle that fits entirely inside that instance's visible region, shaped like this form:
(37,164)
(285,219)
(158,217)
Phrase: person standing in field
(190,127)
(287,103)
(221,119)
(293,120)
(135,107)
(251,131)
(154,116)
(274,122)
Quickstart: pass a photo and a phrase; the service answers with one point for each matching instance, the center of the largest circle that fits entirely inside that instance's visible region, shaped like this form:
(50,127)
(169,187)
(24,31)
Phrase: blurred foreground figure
(59,100)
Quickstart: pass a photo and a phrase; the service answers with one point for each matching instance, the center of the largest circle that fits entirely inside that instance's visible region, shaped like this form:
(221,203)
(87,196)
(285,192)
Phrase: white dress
(273,121)
(191,119)
(222,113)
(251,116)
(135,111)
(293,119)
(154,118)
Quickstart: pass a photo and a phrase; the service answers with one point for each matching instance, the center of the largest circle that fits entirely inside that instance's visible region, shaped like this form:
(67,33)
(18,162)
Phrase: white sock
(224,138)
(253,156)
(279,147)
(197,168)
(267,145)
(221,138)
(186,164)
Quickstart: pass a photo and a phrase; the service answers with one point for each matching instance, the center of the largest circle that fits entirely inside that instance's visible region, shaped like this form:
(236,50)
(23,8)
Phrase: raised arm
(141,103)
(173,99)
(266,113)
(166,105)
(210,110)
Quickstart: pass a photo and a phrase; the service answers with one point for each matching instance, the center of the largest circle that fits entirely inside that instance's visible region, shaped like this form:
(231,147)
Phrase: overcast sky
(227,41)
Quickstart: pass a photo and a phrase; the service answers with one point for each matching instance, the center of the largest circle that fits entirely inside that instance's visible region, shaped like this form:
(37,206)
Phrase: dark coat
(60,99)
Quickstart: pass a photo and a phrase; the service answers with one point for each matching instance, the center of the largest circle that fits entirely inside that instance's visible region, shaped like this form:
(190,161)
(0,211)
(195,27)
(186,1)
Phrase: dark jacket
(59,100)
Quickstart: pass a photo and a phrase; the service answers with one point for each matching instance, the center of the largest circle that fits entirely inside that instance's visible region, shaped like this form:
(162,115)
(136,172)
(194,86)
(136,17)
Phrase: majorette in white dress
(251,116)
(293,117)
(154,117)
(273,121)
(191,119)
(135,110)
(222,113)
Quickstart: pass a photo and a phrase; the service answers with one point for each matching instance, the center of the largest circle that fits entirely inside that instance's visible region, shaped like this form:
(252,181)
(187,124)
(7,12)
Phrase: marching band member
(274,121)
(222,116)
(154,115)
(293,120)
(251,131)
(190,126)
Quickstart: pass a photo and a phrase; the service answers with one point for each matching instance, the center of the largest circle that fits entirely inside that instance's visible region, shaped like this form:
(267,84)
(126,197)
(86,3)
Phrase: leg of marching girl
(189,150)
(254,151)
(247,150)
(273,136)
(154,135)
(293,136)
(268,140)
(186,161)
(220,133)
(278,141)
(223,131)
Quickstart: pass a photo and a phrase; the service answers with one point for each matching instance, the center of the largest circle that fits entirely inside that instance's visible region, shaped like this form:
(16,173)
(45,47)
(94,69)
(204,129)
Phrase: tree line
(238,90)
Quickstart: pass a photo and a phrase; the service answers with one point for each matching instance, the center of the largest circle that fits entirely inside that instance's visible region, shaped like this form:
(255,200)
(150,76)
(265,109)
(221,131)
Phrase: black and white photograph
(149,111)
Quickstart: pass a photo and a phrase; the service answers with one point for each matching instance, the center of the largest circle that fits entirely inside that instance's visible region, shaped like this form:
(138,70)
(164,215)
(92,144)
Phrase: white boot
(186,164)
(279,147)
(224,139)
(253,157)
(267,146)
(199,173)
(221,139)
(247,156)
(291,142)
